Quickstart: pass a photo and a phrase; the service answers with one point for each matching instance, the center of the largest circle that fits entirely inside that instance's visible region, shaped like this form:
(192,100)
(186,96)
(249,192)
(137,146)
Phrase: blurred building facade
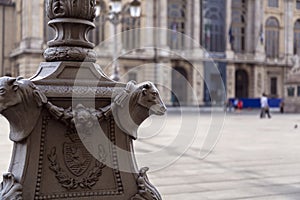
(253,43)
(22,34)
(7,35)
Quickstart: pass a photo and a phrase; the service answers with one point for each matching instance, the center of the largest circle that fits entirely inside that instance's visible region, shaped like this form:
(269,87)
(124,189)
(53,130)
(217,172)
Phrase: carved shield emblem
(77,158)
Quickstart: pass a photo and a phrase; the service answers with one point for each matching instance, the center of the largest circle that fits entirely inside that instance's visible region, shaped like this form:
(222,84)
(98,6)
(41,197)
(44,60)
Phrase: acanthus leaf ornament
(71,9)
(72,21)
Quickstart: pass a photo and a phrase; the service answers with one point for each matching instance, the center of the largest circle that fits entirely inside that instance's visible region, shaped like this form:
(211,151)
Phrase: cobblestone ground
(253,158)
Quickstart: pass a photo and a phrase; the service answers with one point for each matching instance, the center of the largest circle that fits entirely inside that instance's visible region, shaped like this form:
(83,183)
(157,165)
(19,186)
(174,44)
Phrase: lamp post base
(54,158)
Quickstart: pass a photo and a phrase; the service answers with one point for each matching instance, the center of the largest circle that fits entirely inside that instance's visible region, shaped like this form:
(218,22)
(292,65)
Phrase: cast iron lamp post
(114,13)
(70,97)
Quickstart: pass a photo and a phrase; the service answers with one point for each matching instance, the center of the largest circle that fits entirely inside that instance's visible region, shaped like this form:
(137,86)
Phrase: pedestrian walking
(265,110)
(228,105)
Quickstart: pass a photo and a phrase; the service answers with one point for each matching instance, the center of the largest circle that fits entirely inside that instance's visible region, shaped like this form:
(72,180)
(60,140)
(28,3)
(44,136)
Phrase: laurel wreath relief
(72,183)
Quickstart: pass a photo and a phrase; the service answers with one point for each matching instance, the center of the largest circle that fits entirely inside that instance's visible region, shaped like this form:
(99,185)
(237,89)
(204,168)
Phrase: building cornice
(18,52)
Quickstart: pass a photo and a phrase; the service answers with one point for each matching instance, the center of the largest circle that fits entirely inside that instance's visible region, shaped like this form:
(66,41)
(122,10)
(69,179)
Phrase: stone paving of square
(253,159)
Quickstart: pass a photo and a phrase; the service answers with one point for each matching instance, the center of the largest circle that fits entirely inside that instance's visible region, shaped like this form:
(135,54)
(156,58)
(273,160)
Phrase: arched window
(213,26)
(176,23)
(297,37)
(237,32)
(241,84)
(131,31)
(272,38)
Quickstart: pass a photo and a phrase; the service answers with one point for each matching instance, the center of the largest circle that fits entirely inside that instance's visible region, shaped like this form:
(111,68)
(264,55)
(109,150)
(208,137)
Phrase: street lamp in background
(115,11)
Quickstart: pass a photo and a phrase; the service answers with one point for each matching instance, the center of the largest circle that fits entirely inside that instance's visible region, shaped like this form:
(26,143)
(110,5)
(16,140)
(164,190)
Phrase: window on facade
(237,31)
(273,89)
(291,91)
(176,23)
(297,37)
(273,3)
(272,38)
(130,31)
(213,26)
(298,4)
(298,90)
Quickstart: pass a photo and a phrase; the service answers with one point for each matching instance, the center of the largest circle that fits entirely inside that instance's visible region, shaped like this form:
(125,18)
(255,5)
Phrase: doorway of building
(179,86)
(241,84)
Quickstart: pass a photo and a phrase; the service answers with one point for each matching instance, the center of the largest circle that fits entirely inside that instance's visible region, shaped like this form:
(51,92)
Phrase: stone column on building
(198,83)
(164,50)
(230,68)
(259,50)
(288,41)
(197,51)
(163,23)
(289,27)
(197,55)
(190,25)
(229,52)
(230,80)
(250,30)
(7,35)
(259,80)
(164,81)
(196,24)
(150,22)
(103,50)
(152,40)
(290,76)
(155,71)
(259,30)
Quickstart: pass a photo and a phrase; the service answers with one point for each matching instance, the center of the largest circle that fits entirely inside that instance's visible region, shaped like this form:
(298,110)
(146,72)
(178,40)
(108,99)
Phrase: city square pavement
(253,158)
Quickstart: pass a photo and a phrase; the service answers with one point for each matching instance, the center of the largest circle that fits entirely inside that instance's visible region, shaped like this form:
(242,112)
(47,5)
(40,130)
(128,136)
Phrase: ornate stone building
(24,29)
(160,49)
(263,38)
(254,43)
